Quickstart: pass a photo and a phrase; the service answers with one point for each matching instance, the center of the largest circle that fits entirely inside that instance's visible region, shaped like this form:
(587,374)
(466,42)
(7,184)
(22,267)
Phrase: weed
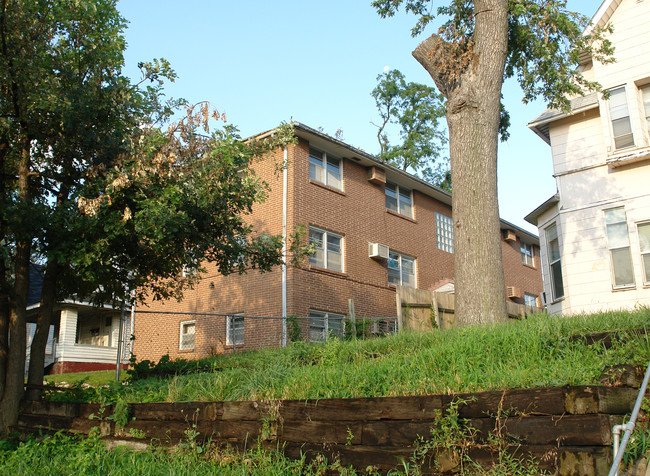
(272,421)
(349,437)
(294,331)
(137,433)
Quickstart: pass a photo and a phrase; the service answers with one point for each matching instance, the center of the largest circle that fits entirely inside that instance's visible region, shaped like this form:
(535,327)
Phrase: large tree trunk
(470,77)
(15,368)
(39,343)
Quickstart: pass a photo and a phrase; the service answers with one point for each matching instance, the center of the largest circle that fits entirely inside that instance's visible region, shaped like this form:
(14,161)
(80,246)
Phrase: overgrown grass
(65,454)
(100,377)
(540,351)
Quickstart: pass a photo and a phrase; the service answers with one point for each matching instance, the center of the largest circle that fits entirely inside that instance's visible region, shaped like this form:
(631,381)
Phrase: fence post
(434,307)
(398,304)
(353,318)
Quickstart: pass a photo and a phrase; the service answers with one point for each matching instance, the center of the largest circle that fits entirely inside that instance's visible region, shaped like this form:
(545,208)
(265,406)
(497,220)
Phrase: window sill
(185,351)
(529,266)
(558,300)
(629,287)
(327,187)
(399,215)
(333,272)
(394,286)
(627,156)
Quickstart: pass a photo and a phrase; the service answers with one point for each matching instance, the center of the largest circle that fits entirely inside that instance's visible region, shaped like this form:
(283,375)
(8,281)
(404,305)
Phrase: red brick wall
(359,214)
(526,278)
(71,367)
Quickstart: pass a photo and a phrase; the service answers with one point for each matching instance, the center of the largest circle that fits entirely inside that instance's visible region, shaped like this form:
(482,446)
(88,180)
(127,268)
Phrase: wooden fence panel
(421,310)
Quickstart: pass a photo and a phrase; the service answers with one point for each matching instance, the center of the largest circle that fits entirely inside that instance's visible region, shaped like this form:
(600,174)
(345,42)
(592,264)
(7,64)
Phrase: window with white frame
(530,300)
(328,251)
(554,262)
(645,94)
(644,246)
(444,233)
(527,256)
(399,199)
(235,330)
(187,335)
(325,324)
(325,169)
(618,243)
(401,270)
(620,117)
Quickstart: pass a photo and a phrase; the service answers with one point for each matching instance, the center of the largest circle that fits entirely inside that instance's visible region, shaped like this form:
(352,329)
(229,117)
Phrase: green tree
(478,45)
(94,190)
(416,109)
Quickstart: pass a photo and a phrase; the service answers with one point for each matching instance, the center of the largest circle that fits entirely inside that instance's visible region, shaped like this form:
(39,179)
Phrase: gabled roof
(603,14)
(547,205)
(35,284)
(540,125)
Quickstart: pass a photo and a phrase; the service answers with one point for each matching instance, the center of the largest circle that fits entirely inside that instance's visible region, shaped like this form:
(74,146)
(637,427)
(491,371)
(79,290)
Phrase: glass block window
(444,233)
(187,335)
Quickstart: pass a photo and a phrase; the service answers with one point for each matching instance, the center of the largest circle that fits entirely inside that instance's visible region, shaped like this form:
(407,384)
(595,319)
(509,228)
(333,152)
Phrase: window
(235,330)
(530,300)
(444,233)
(527,256)
(554,262)
(324,168)
(329,250)
(645,93)
(189,271)
(399,199)
(618,243)
(620,117)
(401,270)
(187,335)
(325,324)
(644,245)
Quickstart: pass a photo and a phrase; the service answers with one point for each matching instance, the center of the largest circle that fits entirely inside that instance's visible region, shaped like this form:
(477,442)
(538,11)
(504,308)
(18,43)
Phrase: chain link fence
(214,333)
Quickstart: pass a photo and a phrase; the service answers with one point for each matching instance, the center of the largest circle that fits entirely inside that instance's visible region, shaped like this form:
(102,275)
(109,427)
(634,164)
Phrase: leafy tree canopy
(545,43)
(416,110)
(97,187)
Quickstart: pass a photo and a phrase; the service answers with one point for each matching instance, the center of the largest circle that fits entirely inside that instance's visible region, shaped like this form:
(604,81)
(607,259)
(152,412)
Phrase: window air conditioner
(513,292)
(376,175)
(377,251)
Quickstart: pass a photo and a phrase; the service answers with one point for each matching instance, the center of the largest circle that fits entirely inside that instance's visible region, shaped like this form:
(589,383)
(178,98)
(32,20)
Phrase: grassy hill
(540,351)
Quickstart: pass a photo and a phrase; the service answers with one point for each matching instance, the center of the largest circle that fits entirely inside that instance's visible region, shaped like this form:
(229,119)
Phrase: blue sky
(315,62)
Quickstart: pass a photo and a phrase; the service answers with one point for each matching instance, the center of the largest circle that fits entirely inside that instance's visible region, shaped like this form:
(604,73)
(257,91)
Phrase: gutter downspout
(132,328)
(120,336)
(285,188)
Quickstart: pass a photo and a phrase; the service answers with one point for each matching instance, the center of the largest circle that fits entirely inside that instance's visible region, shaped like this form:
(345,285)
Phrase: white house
(82,337)
(595,232)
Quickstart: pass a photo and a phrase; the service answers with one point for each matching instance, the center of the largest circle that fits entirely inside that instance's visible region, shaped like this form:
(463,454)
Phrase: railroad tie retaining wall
(568,429)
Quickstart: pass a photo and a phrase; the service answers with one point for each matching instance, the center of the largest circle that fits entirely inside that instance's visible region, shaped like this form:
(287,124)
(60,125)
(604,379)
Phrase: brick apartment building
(375,226)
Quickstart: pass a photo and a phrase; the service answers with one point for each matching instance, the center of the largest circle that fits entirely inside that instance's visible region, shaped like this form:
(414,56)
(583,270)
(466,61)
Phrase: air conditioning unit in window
(376,175)
(377,251)
(509,235)
(513,292)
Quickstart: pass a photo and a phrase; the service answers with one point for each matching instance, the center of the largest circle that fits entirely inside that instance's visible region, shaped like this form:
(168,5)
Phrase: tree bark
(43,321)
(470,77)
(15,369)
